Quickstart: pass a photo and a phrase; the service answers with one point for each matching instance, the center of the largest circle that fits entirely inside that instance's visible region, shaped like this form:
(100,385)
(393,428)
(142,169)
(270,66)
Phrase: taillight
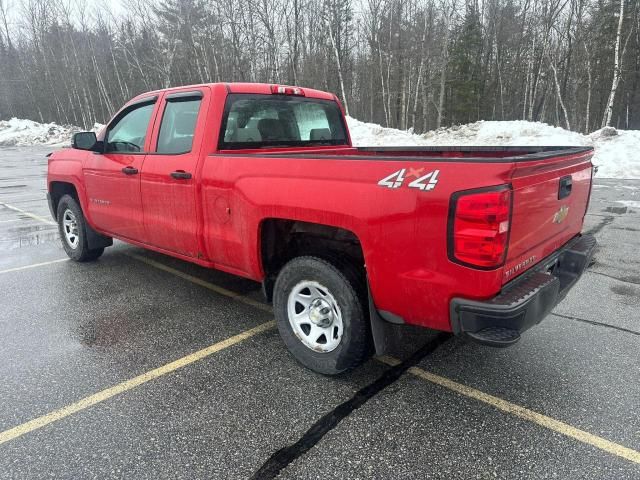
(479,224)
(284,90)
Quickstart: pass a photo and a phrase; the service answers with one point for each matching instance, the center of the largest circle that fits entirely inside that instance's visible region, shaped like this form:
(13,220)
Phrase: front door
(112,178)
(168,179)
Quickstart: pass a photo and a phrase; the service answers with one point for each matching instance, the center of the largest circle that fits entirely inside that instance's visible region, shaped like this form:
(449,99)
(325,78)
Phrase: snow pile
(617,152)
(371,134)
(19,132)
(518,133)
(617,156)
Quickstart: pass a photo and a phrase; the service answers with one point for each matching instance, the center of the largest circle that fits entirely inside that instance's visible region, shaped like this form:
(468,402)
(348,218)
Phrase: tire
(312,298)
(72,228)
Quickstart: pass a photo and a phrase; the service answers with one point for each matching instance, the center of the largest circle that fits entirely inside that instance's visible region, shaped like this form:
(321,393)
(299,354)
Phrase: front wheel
(73,233)
(320,314)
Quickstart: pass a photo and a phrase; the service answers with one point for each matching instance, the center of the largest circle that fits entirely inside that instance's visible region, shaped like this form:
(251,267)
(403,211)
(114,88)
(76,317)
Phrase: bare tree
(402,63)
(617,66)
(448,8)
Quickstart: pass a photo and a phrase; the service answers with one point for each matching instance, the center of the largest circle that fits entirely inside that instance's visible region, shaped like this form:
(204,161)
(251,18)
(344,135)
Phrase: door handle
(129,170)
(180,175)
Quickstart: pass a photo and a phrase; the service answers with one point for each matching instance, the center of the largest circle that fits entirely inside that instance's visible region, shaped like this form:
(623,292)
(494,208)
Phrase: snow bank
(19,132)
(515,133)
(27,132)
(371,134)
(617,156)
(617,153)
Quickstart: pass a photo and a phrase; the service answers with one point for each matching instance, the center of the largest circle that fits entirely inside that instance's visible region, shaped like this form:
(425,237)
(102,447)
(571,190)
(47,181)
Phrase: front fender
(65,166)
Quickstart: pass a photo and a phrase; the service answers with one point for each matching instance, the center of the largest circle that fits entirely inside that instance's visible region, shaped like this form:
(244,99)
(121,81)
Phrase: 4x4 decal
(424,182)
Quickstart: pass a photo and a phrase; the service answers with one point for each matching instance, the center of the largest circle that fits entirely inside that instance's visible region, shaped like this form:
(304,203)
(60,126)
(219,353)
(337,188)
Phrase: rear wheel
(72,228)
(320,314)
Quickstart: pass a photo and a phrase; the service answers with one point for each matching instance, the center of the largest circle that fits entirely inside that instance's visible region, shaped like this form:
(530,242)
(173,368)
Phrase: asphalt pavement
(139,365)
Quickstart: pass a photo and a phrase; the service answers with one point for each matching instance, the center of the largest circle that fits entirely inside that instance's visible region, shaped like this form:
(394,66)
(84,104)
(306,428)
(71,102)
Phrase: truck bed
(423,153)
(357,187)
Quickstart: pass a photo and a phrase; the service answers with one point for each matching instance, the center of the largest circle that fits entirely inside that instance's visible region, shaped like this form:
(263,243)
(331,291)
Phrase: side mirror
(84,140)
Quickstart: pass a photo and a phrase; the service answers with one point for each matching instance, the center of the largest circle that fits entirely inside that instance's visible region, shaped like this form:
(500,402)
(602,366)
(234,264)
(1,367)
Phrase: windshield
(255,121)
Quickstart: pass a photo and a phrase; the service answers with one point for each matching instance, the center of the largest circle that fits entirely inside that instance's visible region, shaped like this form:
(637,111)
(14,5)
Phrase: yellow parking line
(198,281)
(28,214)
(524,413)
(153,374)
(34,265)
(99,397)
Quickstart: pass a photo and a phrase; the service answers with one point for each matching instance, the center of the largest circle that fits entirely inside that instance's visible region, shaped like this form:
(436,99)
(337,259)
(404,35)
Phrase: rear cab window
(262,121)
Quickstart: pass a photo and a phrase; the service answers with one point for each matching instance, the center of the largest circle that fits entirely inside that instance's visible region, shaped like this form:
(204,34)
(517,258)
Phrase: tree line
(418,64)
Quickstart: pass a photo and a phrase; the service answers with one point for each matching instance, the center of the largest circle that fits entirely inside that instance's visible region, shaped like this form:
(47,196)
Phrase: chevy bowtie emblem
(561,214)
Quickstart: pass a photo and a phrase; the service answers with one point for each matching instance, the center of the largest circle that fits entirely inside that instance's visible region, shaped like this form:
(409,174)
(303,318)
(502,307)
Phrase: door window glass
(129,132)
(178,126)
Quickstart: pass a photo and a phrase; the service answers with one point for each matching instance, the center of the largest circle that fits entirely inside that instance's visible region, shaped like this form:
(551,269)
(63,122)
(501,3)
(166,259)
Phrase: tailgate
(550,199)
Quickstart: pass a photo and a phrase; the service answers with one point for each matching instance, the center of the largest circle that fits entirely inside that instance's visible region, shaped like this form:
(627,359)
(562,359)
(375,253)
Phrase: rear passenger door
(169,177)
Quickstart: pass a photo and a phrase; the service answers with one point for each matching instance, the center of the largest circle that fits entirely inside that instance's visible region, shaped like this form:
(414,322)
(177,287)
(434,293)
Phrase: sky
(13,8)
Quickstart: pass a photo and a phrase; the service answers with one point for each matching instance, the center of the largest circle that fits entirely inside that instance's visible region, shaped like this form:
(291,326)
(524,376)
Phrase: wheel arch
(58,189)
(282,239)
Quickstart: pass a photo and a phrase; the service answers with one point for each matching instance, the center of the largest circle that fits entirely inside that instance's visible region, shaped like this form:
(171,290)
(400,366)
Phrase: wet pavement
(72,331)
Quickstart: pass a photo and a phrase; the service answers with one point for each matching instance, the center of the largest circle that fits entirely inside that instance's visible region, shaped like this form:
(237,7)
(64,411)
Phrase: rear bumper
(525,301)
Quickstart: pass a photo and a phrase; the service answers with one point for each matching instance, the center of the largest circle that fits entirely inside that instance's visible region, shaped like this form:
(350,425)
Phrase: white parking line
(28,214)
(34,265)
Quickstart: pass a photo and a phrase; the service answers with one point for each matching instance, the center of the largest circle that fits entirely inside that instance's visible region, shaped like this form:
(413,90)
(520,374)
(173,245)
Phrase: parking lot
(142,366)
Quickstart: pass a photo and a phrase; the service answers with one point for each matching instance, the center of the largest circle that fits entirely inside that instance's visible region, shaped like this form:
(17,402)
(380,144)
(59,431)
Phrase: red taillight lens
(285,90)
(480,227)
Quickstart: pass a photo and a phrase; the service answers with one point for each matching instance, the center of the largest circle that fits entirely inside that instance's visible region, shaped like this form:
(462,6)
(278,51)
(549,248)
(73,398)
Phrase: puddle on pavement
(618,210)
(625,290)
(34,238)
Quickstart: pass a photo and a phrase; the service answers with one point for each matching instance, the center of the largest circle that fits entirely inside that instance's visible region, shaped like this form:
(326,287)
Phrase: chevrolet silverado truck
(262,181)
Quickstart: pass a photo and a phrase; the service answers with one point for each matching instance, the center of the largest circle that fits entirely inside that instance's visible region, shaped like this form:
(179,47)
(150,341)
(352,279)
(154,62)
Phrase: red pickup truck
(262,181)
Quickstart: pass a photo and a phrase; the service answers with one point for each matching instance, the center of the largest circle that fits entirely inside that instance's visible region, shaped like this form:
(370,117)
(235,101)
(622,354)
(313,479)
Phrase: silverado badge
(561,214)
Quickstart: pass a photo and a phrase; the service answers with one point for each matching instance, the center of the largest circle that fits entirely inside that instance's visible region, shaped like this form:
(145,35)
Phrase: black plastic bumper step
(495,336)
(524,301)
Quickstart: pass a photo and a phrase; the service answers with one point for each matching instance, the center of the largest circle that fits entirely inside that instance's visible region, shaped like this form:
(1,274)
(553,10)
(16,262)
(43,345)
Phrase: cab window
(127,134)
(255,121)
(178,126)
